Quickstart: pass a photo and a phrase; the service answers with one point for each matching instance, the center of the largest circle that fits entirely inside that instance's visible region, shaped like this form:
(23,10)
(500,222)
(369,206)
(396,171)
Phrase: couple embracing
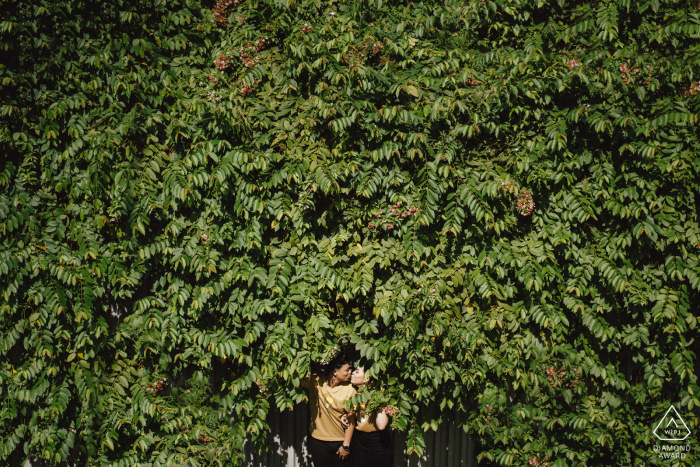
(335,434)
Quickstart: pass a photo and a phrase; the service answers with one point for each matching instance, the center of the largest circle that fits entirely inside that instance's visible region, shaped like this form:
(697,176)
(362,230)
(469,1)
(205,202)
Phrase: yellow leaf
(413,91)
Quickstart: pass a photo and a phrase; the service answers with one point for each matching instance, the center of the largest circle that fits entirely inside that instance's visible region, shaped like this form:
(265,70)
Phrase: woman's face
(343,374)
(358,376)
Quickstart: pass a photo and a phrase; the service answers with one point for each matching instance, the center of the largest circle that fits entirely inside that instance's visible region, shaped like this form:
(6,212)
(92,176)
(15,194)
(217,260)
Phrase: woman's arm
(348,436)
(382,420)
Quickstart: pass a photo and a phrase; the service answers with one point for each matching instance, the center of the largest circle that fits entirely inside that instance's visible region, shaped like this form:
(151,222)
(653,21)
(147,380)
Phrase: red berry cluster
(507,186)
(367,50)
(490,409)
(396,211)
(221,11)
(375,47)
(250,61)
(247,89)
(391,410)
(410,212)
(156,386)
(693,89)
(535,462)
(204,438)
(625,69)
(212,96)
(559,378)
(246,53)
(306,28)
(628,74)
(525,205)
(572,64)
(383,60)
(223,62)
(263,389)
(471,81)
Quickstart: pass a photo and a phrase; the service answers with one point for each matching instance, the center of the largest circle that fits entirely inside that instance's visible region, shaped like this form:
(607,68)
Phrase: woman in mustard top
(372,442)
(329,443)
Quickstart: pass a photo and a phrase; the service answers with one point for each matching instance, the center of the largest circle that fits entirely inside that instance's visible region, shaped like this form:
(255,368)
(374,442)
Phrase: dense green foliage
(493,203)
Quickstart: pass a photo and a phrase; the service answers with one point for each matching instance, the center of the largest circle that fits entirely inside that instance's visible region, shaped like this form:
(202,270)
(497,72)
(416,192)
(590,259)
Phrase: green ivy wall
(494,204)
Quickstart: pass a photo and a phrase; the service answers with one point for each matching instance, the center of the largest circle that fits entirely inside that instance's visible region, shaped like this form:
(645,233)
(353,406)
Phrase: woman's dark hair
(336,364)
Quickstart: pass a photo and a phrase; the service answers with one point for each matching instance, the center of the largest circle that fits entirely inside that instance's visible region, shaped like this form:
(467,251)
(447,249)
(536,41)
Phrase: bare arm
(382,420)
(348,436)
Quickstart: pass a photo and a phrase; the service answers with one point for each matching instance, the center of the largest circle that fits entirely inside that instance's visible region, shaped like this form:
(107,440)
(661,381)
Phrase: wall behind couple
(449,446)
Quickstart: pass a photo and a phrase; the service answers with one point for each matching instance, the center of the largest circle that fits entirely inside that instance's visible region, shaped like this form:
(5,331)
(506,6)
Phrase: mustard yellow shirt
(366,422)
(327,406)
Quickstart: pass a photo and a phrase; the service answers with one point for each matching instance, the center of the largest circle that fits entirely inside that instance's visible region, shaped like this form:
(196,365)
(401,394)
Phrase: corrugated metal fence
(448,447)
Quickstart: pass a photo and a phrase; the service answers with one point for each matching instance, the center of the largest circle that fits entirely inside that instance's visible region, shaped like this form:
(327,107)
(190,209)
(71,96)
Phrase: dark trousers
(324,453)
(372,449)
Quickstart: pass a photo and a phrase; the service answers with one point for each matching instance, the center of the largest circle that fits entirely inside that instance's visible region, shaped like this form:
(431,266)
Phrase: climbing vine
(491,206)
